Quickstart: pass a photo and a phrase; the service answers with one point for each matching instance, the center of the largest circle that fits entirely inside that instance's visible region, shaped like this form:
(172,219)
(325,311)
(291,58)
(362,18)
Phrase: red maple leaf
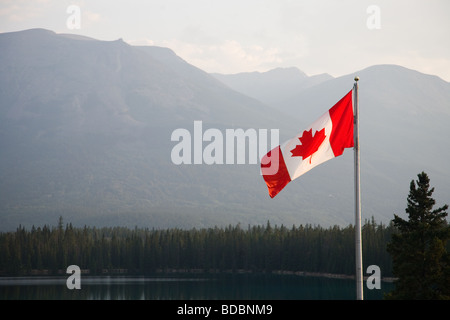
(310,144)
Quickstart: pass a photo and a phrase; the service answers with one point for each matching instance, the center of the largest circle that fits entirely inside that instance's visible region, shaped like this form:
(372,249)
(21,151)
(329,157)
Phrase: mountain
(86,133)
(403,120)
(273,86)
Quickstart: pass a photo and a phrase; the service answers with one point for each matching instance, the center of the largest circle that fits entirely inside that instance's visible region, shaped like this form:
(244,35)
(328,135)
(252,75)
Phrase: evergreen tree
(418,249)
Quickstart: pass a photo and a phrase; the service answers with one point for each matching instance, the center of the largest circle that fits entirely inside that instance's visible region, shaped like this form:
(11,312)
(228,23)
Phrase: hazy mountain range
(85,133)
(273,87)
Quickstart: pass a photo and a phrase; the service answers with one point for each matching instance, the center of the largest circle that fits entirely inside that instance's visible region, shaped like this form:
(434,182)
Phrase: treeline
(145,251)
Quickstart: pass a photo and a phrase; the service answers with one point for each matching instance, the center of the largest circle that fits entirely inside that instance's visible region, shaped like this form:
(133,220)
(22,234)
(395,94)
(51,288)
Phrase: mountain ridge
(273,86)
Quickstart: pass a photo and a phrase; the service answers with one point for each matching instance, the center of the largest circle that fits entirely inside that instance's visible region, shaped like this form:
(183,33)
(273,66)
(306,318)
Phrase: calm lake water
(187,287)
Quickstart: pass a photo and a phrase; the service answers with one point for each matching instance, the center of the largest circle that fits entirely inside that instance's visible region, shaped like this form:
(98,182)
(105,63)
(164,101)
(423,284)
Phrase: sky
(337,37)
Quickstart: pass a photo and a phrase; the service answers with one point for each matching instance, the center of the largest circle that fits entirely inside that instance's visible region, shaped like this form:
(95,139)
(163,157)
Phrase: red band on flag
(341,115)
(274,171)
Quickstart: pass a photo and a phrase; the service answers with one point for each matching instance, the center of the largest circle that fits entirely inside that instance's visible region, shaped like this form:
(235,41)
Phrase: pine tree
(418,249)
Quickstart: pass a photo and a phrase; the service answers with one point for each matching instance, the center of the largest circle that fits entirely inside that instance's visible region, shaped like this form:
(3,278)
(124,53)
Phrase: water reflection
(198,287)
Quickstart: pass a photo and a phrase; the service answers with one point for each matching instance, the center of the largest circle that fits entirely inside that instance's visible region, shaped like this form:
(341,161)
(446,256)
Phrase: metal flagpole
(358,246)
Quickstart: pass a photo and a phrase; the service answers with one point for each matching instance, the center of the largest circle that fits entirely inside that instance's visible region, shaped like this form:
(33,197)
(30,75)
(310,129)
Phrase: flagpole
(358,246)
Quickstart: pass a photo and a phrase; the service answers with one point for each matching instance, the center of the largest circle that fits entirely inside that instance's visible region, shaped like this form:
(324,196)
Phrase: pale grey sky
(230,36)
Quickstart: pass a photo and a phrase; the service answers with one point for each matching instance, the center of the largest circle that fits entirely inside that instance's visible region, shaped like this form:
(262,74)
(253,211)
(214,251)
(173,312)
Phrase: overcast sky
(230,36)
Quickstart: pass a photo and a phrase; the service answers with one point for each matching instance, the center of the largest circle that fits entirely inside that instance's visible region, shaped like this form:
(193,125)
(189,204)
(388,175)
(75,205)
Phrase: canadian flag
(325,139)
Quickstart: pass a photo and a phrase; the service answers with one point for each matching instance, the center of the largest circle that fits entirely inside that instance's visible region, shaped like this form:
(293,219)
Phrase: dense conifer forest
(142,251)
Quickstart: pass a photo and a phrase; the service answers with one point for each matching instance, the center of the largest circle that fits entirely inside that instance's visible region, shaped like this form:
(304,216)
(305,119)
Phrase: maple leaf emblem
(310,144)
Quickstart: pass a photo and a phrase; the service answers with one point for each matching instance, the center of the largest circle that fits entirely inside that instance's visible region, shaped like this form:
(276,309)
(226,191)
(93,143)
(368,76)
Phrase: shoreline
(172,271)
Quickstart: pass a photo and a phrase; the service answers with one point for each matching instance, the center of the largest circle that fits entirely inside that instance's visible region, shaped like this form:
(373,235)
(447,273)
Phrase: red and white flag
(325,139)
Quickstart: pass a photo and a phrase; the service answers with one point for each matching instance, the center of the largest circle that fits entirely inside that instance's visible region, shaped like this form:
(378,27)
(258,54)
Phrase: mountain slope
(85,130)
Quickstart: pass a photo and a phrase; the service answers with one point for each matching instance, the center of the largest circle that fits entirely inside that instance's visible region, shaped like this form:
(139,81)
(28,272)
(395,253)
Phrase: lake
(187,287)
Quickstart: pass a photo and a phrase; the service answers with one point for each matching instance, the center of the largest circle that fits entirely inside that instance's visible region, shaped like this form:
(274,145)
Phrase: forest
(143,251)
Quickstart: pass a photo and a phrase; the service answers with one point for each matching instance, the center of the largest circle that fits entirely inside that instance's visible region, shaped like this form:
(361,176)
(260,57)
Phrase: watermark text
(213,146)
